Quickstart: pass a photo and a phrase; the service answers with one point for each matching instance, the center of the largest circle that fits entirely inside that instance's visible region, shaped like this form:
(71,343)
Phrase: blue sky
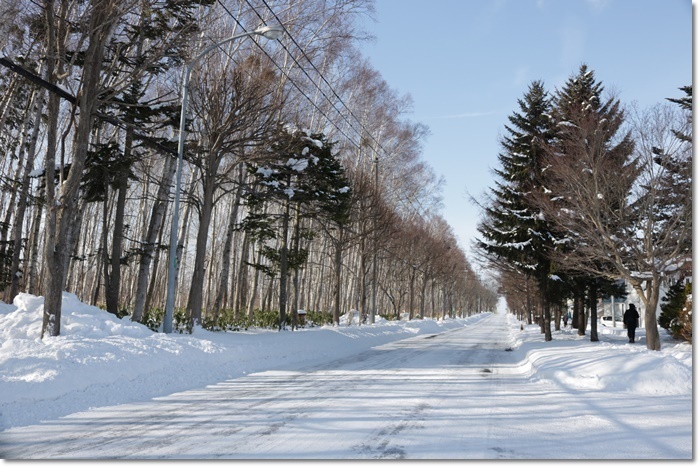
(467,62)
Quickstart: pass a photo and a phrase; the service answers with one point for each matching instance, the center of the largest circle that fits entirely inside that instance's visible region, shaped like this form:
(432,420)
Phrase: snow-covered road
(460,394)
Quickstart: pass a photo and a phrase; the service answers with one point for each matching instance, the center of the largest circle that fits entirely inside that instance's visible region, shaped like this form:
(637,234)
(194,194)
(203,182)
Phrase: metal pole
(271,32)
(172,258)
(374,256)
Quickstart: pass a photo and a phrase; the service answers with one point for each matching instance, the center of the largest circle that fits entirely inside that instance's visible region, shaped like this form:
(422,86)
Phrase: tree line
(302,181)
(591,195)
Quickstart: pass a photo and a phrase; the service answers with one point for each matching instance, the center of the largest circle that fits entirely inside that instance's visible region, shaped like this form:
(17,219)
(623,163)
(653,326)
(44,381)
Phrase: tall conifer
(591,170)
(513,230)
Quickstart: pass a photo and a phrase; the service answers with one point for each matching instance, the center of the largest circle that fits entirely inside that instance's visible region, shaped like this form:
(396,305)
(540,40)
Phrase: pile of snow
(574,363)
(101,360)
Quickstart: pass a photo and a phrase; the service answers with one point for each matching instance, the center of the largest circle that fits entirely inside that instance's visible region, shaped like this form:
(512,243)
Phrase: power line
(330,101)
(304,70)
(274,62)
(350,141)
(319,73)
(309,77)
(130,128)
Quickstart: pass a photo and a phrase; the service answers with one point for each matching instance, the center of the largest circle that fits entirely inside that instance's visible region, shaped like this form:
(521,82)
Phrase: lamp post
(373,313)
(269,32)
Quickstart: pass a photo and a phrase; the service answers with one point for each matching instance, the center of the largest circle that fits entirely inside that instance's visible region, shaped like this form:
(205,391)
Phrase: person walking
(631,320)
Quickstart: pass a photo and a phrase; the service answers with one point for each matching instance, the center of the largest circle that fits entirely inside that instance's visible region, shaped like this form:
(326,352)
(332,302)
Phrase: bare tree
(62,201)
(236,109)
(150,240)
(619,212)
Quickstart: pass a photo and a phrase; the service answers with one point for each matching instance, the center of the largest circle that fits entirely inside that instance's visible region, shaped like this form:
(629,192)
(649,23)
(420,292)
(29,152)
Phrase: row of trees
(590,195)
(303,185)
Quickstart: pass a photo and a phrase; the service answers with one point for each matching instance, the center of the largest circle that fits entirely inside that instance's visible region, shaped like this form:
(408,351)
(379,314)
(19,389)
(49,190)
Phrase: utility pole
(374,255)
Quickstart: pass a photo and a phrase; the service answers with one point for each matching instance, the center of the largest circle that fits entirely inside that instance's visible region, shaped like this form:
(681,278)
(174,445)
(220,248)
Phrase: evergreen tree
(676,185)
(591,173)
(686,103)
(113,53)
(672,305)
(587,141)
(302,175)
(676,309)
(514,230)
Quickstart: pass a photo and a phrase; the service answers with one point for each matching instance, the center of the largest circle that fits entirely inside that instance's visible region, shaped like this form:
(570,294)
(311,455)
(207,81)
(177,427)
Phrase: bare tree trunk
(228,244)
(256,280)
(295,277)
(650,297)
(7,100)
(283,267)
(240,302)
(412,287)
(268,294)
(254,294)
(593,301)
(51,324)
(337,274)
(14,191)
(61,210)
(74,232)
(149,243)
(156,260)
(579,305)
(528,300)
(89,278)
(23,199)
(364,314)
(33,272)
(194,302)
(114,284)
(5,226)
(319,289)
(105,242)
(547,320)
(423,289)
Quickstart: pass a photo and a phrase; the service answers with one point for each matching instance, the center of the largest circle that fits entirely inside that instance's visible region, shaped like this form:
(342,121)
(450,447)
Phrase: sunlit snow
(474,388)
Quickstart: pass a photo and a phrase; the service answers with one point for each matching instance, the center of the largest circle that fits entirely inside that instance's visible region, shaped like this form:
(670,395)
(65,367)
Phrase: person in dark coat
(631,320)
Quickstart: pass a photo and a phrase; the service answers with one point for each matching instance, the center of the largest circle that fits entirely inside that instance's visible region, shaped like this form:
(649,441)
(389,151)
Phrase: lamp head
(271,32)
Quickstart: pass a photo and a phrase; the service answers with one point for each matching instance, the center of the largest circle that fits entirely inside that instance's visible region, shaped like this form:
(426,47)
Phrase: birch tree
(236,112)
(62,200)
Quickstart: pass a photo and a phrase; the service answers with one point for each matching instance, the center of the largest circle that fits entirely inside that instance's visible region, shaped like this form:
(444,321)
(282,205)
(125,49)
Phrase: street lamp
(269,32)
(374,247)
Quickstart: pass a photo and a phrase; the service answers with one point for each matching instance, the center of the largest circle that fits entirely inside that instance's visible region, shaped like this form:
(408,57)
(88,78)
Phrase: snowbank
(574,363)
(102,360)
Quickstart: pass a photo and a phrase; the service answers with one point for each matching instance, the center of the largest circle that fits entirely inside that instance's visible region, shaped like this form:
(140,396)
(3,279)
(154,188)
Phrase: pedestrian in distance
(631,320)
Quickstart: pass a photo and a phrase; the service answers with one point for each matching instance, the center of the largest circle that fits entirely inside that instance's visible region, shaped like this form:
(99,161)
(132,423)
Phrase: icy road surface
(456,395)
